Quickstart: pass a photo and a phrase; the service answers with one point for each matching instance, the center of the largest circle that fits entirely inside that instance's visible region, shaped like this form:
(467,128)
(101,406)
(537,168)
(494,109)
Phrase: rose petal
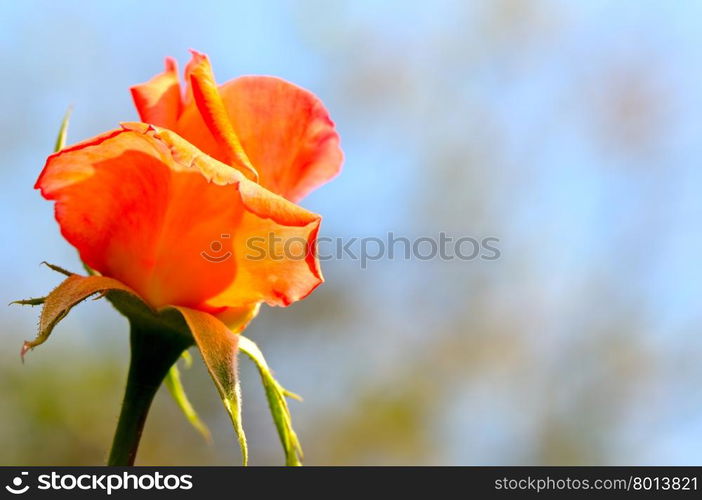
(286,133)
(209,103)
(284,130)
(159,100)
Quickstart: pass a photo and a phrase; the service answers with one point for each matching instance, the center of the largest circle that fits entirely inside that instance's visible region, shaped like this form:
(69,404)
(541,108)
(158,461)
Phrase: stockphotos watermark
(360,249)
(107,483)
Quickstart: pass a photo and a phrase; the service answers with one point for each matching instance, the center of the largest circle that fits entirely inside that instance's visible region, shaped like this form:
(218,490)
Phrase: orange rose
(166,212)
(146,207)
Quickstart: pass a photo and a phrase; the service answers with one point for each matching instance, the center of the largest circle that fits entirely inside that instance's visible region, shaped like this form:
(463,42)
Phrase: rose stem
(153,351)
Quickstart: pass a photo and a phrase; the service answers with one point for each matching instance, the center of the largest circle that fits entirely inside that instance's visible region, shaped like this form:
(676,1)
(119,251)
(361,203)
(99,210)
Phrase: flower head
(167,213)
(171,208)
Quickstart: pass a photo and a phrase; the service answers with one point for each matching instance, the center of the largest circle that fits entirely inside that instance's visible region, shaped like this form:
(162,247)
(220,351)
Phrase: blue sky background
(569,130)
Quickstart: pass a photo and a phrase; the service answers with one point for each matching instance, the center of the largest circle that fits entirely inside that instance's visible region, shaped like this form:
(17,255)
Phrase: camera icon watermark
(17,488)
(215,253)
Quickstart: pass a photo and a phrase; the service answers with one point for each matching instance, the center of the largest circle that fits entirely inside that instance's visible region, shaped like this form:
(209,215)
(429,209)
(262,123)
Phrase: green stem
(153,352)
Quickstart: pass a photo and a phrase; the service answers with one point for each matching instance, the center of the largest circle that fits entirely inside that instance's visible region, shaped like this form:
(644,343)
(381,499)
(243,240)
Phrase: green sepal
(63,131)
(30,302)
(73,290)
(219,347)
(175,387)
(276,395)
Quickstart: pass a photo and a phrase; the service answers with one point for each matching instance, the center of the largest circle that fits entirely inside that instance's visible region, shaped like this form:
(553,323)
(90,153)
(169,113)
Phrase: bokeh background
(572,131)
